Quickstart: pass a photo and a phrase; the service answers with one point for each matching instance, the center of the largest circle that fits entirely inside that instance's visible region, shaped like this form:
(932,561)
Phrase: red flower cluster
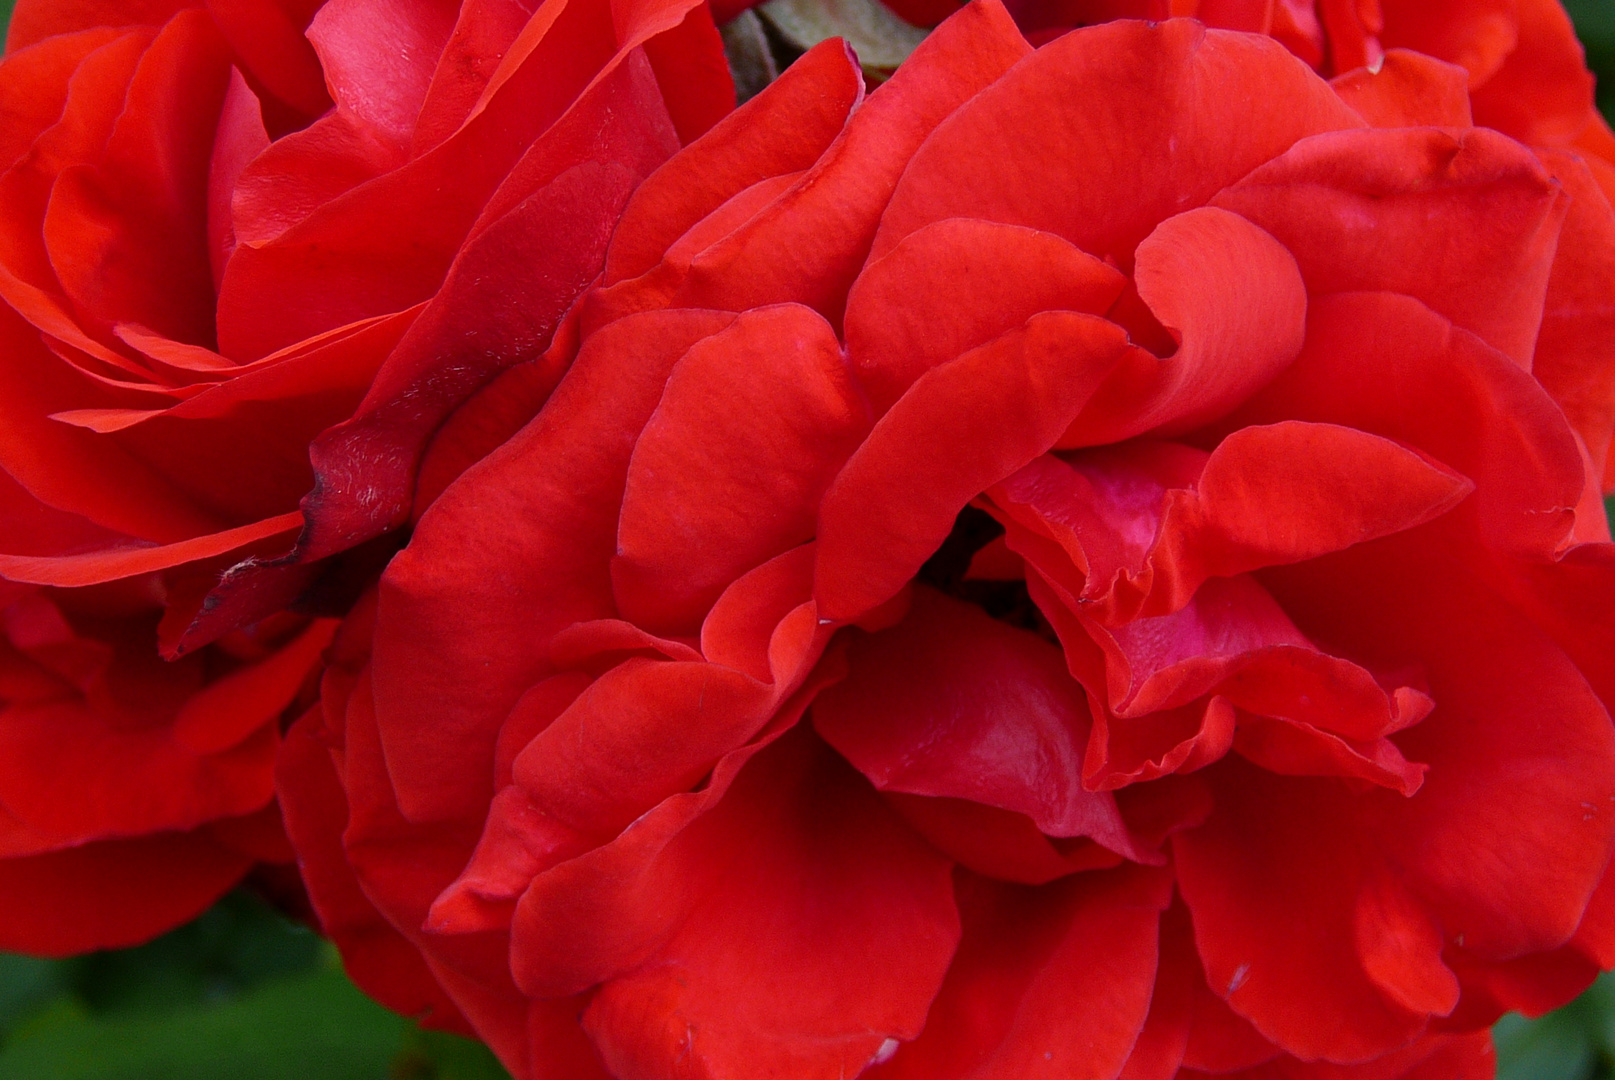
(224,295)
(1088,561)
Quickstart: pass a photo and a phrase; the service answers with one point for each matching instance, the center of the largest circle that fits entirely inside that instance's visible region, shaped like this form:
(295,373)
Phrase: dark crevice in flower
(1006,601)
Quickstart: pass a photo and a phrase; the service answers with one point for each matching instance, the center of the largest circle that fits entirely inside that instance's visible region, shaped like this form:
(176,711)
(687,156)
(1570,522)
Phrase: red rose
(133,792)
(1086,563)
(1527,74)
(205,265)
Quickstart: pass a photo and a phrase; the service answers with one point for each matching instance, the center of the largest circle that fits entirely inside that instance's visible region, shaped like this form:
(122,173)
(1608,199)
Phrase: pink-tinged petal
(1408,89)
(782,130)
(1383,210)
(270,43)
(1169,660)
(1111,130)
(962,427)
(1510,833)
(1149,523)
(127,560)
(801,926)
(555,212)
(829,220)
(754,424)
(1049,982)
(1575,360)
(378,58)
(957,284)
(952,703)
(1272,847)
(377,957)
(112,894)
(458,593)
(1387,364)
(35,20)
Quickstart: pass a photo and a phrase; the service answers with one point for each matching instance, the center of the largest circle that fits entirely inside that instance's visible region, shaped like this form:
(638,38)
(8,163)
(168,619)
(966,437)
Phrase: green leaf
(311,1026)
(1560,1046)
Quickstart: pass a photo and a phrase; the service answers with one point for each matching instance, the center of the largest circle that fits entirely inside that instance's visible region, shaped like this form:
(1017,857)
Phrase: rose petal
(753,425)
(962,427)
(1111,130)
(454,597)
(1381,210)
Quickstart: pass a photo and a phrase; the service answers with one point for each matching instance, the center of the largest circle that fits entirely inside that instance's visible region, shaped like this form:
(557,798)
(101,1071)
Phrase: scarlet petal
(1049,982)
(112,894)
(35,20)
(953,703)
(1387,364)
(1274,846)
(1542,93)
(754,424)
(367,266)
(794,926)
(1409,89)
(1518,860)
(1573,358)
(642,732)
(129,560)
(957,284)
(455,596)
(378,58)
(961,428)
(556,209)
(1231,297)
(828,220)
(1373,210)
(375,955)
(782,130)
(128,237)
(1111,130)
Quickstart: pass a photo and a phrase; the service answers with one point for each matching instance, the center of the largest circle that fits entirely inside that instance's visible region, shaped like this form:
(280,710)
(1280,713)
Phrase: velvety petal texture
(1082,561)
(253,253)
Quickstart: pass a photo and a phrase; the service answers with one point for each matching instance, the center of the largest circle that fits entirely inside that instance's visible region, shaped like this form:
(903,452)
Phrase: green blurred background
(244,993)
